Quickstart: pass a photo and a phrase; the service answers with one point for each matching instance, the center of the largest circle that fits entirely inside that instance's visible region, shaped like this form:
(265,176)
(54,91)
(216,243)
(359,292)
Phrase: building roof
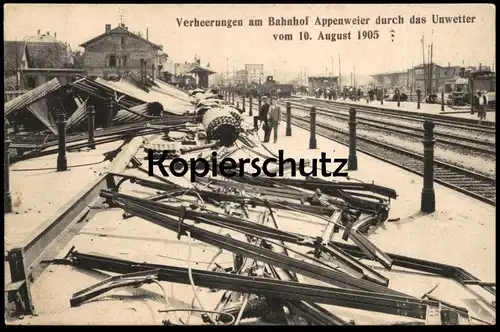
(54,70)
(322,78)
(180,69)
(12,50)
(41,38)
(122,31)
(391,73)
(421,66)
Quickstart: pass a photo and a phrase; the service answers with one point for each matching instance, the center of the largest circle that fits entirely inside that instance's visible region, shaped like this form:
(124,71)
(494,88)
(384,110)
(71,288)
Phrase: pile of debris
(118,116)
(265,280)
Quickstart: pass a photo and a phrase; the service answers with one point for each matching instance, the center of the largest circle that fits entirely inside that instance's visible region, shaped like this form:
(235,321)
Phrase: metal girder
(25,261)
(339,279)
(209,218)
(210,196)
(268,232)
(285,290)
(444,270)
(344,190)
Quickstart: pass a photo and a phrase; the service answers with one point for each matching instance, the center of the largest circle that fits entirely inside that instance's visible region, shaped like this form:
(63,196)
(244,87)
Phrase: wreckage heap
(237,238)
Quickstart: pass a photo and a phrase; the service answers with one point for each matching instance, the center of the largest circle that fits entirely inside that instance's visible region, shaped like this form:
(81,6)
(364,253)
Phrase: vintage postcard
(249,164)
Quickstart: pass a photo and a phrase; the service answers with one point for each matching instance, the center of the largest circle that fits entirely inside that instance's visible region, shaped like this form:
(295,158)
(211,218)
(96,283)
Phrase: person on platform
(274,116)
(278,93)
(263,118)
(483,102)
(475,104)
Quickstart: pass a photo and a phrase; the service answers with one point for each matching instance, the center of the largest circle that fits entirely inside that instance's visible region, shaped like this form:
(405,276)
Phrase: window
(31,82)
(122,40)
(124,62)
(112,61)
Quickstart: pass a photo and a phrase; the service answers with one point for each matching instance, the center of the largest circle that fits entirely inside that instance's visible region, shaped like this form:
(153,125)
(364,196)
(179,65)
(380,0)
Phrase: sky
(231,48)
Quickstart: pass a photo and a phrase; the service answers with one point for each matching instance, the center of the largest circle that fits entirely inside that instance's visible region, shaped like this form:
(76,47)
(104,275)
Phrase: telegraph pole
(332,67)
(340,75)
(429,68)
(432,47)
(17,65)
(423,60)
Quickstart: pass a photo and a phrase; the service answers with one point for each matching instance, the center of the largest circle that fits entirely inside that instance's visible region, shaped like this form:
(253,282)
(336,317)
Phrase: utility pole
(332,67)
(431,67)
(17,65)
(428,69)
(340,75)
(326,71)
(412,78)
(227,69)
(354,74)
(423,61)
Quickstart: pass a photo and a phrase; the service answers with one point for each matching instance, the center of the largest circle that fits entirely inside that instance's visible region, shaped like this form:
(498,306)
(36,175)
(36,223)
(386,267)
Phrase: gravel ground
(475,161)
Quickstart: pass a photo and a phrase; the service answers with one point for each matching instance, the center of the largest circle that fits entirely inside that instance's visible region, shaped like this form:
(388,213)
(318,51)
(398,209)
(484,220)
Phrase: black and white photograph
(249,164)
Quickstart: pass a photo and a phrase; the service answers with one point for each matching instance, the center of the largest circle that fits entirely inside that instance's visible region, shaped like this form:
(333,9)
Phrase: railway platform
(461,232)
(431,109)
(38,191)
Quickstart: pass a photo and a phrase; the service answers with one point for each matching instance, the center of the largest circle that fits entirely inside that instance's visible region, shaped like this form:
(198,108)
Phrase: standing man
(274,119)
(483,102)
(475,101)
(263,118)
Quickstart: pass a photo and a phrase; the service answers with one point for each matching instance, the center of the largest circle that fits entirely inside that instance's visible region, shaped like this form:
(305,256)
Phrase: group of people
(269,118)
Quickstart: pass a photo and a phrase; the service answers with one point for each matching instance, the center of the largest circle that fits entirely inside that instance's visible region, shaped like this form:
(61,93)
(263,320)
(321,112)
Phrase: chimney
(449,64)
(38,33)
(48,33)
(108,28)
(147,33)
(55,34)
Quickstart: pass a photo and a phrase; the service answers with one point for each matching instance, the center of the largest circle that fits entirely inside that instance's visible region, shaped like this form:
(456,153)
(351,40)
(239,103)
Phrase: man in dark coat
(263,117)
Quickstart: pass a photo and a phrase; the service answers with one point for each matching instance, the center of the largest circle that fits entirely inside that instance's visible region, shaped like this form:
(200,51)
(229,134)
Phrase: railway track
(457,123)
(475,144)
(470,183)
